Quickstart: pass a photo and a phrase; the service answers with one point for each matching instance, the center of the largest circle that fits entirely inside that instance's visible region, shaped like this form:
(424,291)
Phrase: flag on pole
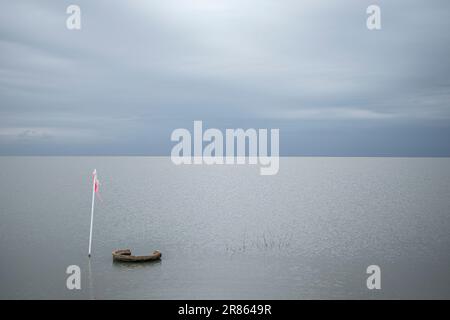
(96,182)
(95,186)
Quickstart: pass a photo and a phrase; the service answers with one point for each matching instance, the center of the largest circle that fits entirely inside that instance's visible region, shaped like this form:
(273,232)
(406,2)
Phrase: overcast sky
(139,69)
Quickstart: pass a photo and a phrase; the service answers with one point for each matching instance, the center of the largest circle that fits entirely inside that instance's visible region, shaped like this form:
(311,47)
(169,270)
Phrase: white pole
(92,211)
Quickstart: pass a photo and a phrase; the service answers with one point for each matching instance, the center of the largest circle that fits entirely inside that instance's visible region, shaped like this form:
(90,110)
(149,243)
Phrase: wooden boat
(126,256)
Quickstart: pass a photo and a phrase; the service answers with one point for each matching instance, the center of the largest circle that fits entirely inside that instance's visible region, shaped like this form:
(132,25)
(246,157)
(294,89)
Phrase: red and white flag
(95,181)
(96,184)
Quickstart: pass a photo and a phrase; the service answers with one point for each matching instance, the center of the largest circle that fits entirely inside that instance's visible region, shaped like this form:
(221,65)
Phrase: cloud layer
(137,70)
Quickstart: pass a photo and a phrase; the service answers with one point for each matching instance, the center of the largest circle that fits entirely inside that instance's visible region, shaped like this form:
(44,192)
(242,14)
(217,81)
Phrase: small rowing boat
(126,256)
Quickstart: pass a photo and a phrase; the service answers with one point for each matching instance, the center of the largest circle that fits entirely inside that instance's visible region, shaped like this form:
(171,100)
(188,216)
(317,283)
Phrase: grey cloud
(139,69)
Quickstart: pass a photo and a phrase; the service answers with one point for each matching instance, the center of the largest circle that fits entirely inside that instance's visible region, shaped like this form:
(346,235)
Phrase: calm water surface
(225,231)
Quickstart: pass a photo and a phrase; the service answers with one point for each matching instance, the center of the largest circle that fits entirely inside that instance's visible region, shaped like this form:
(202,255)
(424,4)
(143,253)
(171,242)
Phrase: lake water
(226,231)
